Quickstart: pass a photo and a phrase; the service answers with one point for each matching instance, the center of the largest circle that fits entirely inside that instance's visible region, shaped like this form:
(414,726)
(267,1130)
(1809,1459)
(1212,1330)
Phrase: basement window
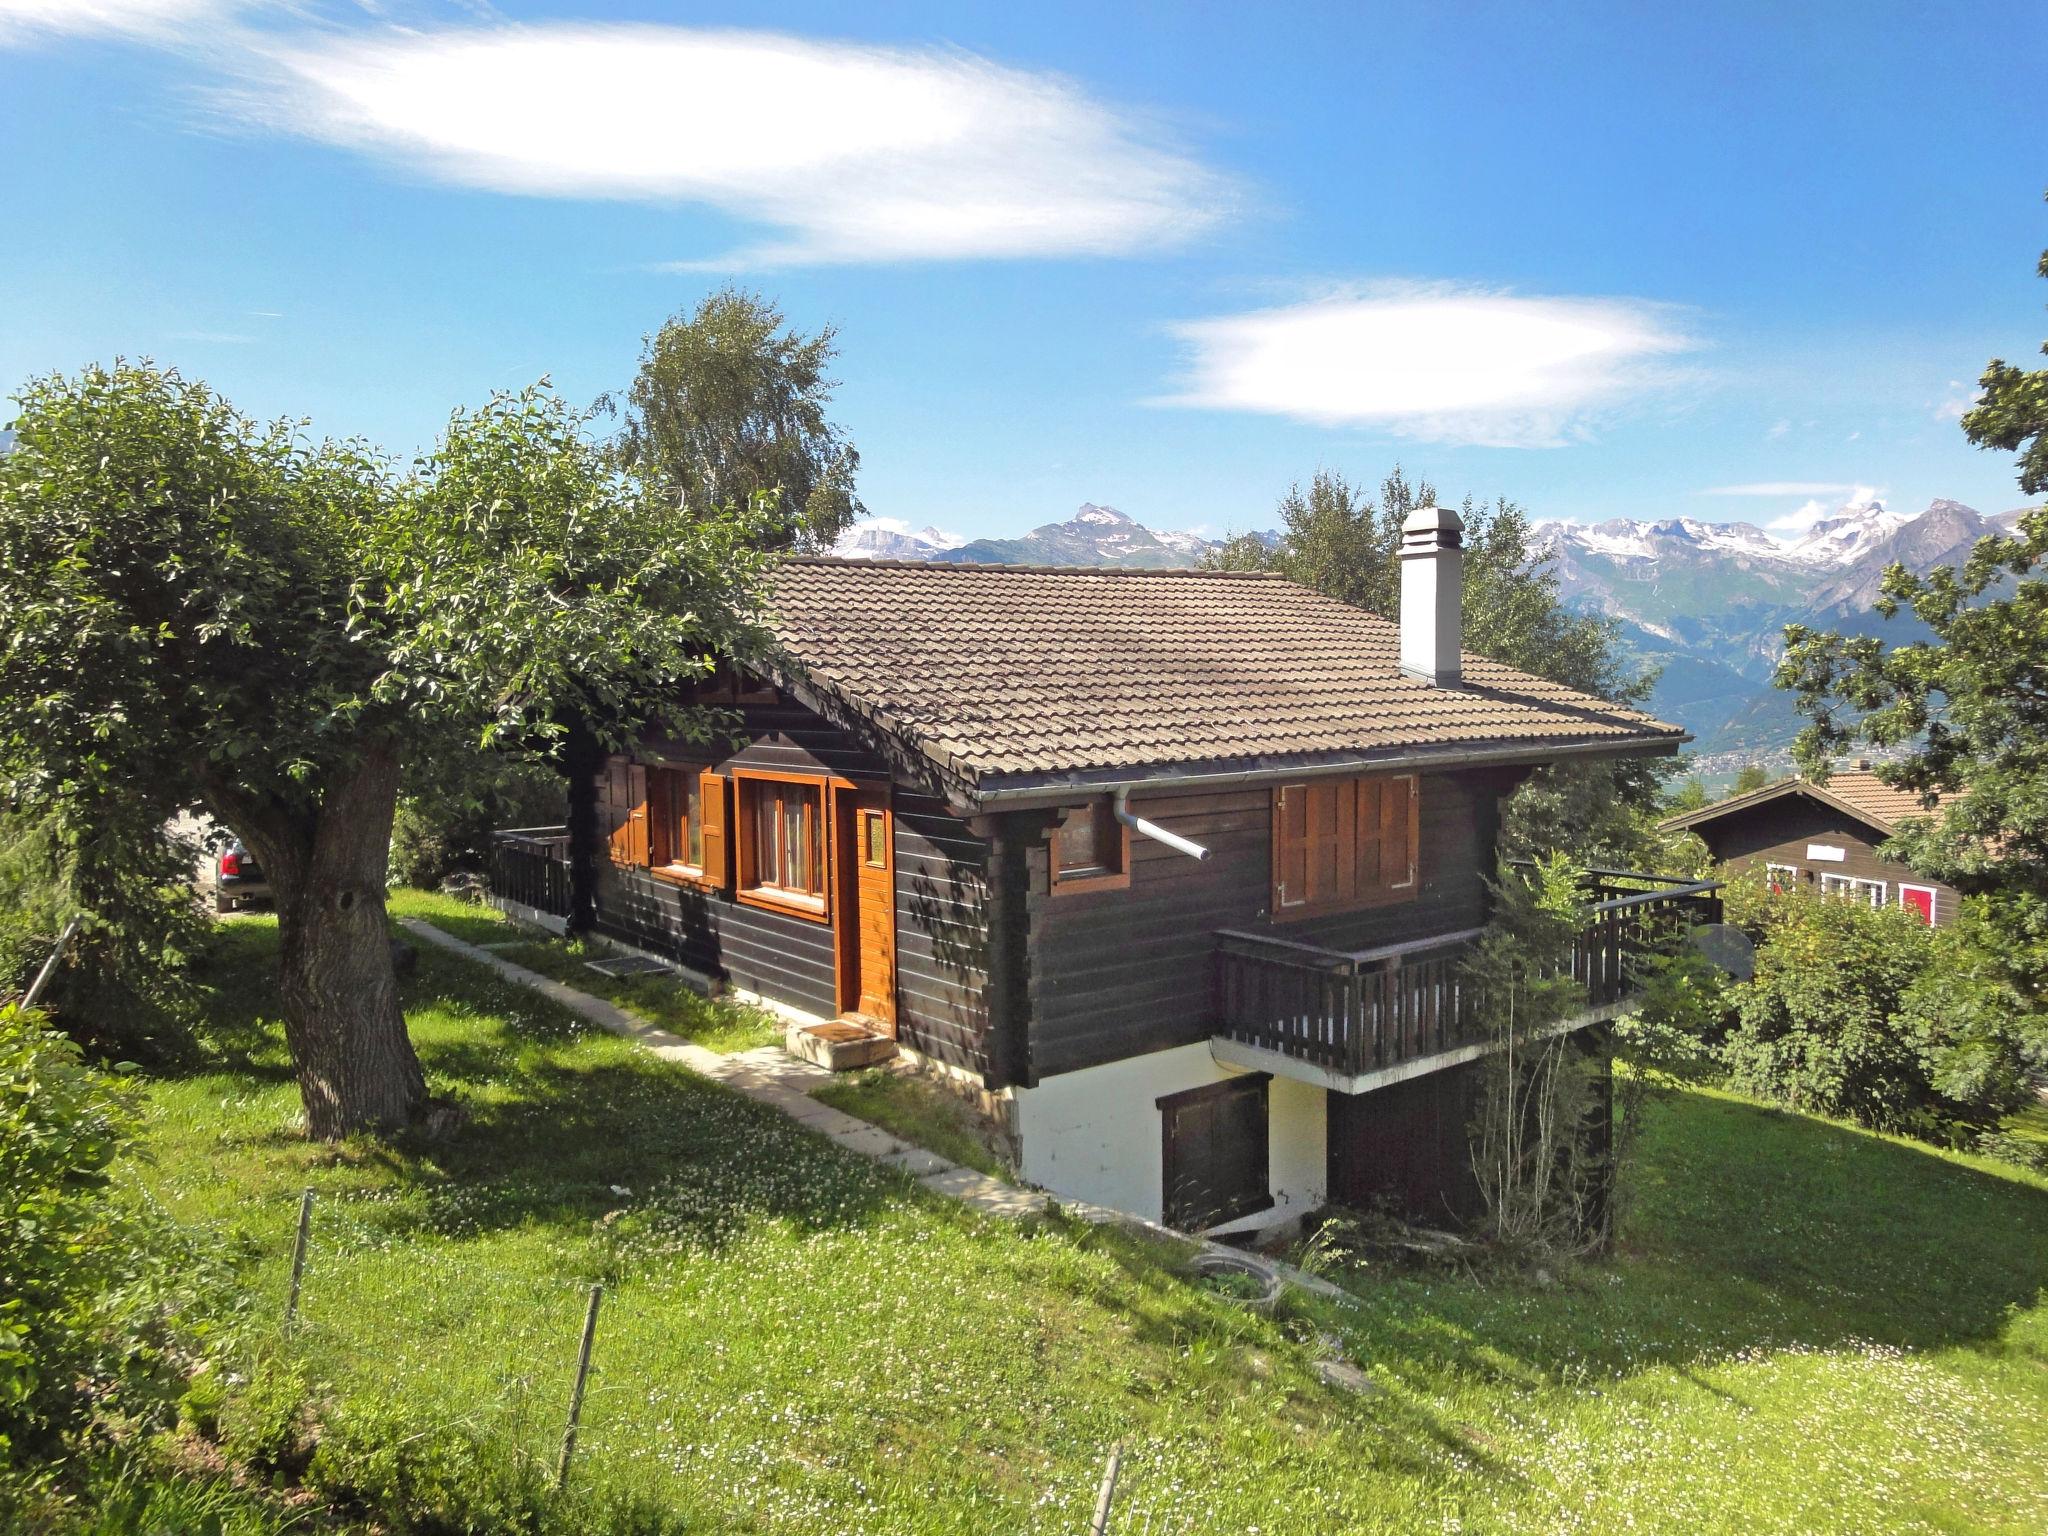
(1216,1155)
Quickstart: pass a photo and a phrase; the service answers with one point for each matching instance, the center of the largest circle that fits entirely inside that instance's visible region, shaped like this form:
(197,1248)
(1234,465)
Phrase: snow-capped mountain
(1092,536)
(1709,601)
(890,538)
(1852,532)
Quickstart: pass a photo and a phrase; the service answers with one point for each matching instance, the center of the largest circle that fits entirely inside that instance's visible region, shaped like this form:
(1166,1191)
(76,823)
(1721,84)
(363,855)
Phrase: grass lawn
(918,1111)
(1810,1329)
(721,1025)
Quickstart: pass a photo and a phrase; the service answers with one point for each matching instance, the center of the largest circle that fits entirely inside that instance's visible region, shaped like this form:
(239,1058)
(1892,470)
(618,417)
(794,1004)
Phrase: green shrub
(445,821)
(61,1125)
(1819,1027)
(426,1477)
(265,1423)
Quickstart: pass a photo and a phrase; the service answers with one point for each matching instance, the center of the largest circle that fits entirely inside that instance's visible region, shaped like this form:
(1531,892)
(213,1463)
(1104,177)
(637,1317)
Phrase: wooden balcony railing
(1352,1012)
(530,866)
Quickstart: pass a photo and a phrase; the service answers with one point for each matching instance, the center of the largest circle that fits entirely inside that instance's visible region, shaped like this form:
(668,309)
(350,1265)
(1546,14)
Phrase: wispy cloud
(846,153)
(1435,362)
(1783,488)
(1778,429)
(148,19)
(1959,399)
(220,338)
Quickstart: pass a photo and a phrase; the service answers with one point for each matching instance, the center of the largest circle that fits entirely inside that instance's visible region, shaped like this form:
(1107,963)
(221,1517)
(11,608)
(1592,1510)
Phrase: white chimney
(1432,594)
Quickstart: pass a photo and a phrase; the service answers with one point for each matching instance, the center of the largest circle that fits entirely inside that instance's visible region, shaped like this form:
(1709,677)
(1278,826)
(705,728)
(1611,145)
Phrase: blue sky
(1605,261)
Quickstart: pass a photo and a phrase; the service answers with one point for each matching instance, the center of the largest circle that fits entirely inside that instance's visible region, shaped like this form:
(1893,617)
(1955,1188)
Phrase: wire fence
(580,1380)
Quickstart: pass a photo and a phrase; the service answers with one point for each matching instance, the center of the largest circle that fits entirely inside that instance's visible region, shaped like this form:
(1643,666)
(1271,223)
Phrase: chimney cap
(1432,519)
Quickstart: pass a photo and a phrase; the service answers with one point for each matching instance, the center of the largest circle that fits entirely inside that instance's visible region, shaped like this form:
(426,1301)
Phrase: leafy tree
(1969,705)
(1346,545)
(1691,795)
(1753,776)
(199,613)
(728,404)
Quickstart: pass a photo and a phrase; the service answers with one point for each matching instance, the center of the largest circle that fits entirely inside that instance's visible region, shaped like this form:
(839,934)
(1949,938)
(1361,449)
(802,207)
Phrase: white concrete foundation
(1095,1135)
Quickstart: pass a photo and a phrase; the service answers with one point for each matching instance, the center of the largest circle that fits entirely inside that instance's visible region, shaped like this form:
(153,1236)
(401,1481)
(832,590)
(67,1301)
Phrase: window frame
(662,827)
(1857,887)
(1345,809)
(1933,900)
(1091,877)
(746,851)
(1773,871)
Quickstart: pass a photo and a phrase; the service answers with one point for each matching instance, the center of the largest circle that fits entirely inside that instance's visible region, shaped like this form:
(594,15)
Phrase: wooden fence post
(576,1396)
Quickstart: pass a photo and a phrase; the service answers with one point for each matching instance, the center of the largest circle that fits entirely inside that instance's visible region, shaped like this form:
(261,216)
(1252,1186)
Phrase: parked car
(237,880)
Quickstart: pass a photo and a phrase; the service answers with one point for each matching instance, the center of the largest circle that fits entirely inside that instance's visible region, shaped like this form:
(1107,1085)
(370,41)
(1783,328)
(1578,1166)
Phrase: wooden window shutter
(661,821)
(636,815)
(612,806)
(1290,846)
(1399,821)
(712,808)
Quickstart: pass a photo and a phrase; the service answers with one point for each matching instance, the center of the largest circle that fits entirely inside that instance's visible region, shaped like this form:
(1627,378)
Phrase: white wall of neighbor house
(1096,1135)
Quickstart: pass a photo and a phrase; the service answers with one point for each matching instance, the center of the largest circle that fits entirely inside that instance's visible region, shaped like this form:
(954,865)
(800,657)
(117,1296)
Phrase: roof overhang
(1736,804)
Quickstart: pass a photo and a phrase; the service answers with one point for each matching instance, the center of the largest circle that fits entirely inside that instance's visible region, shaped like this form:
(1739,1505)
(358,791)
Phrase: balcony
(1354,1020)
(530,869)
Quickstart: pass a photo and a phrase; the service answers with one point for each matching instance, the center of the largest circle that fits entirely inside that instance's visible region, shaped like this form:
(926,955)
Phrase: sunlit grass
(717,1024)
(1810,1328)
(919,1111)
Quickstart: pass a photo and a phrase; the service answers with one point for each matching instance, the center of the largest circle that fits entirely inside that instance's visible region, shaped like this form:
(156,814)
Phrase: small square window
(1091,849)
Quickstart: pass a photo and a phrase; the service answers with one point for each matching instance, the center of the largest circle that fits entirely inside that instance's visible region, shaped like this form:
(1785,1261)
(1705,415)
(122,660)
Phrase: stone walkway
(767,1076)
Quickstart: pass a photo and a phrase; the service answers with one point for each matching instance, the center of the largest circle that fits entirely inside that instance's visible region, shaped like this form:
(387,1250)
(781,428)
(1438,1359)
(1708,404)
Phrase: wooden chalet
(1824,838)
(1172,868)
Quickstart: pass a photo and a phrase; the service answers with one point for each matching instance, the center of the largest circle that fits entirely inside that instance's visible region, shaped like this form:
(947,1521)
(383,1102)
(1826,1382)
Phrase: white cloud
(1802,518)
(849,153)
(1440,363)
(1777,430)
(1783,488)
(131,18)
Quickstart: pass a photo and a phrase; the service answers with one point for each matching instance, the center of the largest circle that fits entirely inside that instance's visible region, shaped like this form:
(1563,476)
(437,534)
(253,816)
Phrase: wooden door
(868,938)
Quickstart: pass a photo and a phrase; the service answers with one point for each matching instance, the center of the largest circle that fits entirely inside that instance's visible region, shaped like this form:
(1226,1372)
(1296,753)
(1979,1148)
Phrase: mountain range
(1706,602)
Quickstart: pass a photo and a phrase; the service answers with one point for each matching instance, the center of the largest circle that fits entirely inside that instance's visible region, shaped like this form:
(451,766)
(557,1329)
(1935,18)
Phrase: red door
(1918,898)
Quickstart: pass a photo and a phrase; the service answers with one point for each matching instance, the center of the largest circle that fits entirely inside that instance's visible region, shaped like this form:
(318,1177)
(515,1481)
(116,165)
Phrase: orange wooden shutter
(636,815)
(711,807)
(1370,845)
(1290,846)
(611,803)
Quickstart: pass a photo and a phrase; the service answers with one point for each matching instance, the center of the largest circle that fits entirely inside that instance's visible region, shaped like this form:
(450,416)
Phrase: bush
(76,1269)
(1819,1027)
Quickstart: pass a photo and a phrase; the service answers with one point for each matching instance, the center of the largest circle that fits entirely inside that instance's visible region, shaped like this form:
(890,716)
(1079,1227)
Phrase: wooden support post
(576,1395)
(1099,1526)
(291,1300)
(35,988)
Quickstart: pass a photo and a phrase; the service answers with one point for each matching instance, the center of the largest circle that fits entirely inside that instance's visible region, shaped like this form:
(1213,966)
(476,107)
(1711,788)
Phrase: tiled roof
(1872,797)
(1858,791)
(1007,675)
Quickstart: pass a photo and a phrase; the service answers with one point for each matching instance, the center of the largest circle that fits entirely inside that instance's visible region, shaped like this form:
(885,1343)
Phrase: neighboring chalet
(1171,868)
(1824,839)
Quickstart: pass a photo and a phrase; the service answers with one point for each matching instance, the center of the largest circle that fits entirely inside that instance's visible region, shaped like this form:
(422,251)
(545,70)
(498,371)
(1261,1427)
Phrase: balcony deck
(1355,1020)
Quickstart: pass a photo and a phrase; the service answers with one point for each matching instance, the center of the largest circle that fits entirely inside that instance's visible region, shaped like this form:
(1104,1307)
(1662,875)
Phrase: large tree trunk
(356,1066)
(582,761)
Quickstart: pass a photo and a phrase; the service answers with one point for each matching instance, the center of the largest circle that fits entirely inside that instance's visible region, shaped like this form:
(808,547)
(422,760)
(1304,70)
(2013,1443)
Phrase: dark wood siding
(1124,972)
(1777,832)
(941,912)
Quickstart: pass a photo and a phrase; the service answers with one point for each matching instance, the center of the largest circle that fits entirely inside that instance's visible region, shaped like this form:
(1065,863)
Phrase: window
(1920,899)
(1782,877)
(687,810)
(1343,843)
(782,842)
(1091,849)
(1215,1158)
(1870,891)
